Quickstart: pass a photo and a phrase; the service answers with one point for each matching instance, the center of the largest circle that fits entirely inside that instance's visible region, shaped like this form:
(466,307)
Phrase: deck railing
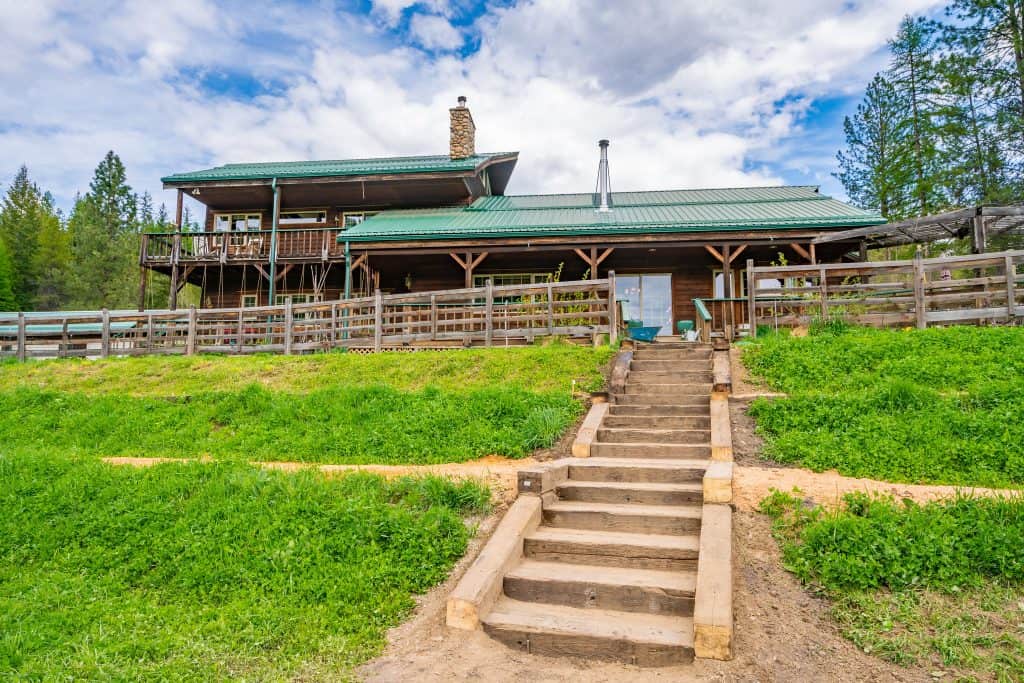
(249,245)
(478,316)
(921,292)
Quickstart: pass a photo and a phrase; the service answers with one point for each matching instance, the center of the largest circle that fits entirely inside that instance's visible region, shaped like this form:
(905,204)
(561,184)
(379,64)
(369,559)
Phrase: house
(307,231)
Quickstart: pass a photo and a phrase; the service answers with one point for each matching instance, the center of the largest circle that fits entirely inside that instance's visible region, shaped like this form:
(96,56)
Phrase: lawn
(416,408)
(208,571)
(940,406)
(938,585)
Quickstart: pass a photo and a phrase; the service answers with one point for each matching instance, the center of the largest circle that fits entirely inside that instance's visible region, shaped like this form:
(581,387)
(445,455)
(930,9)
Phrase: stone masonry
(463,131)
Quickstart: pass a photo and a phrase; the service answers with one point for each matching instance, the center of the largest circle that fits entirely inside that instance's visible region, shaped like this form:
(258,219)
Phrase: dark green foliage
(30,226)
(212,571)
(7,299)
(929,406)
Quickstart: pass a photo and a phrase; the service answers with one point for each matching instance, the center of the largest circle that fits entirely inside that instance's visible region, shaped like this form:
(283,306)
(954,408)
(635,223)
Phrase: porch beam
(358,262)
(801,251)
(739,250)
(714,252)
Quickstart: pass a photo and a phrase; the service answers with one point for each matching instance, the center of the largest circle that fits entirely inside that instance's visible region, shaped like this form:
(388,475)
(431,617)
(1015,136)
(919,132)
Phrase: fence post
(378,319)
(105,333)
(613,310)
(919,301)
(489,312)
(334,325)
(823,294)
(289,322)
(190,340)
(22,350)
(240,338)
(64,341)
(551,310)
(1011,287)
(433,317)
(751,298)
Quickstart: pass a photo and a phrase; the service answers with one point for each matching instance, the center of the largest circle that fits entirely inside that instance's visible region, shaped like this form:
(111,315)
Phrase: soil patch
(752,484)
(783,633)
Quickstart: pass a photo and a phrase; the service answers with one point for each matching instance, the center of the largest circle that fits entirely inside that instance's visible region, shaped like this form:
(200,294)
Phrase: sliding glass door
(648,298)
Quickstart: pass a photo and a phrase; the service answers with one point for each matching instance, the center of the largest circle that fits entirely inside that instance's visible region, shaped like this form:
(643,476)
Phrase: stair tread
(704,444)
(540,570)
(644,509)
(672,631)
(689,542)
(662,463)
(640,485)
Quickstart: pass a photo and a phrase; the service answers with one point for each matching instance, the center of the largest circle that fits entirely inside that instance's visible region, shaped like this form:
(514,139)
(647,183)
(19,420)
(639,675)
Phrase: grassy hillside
(943,405)
(424,407)
(209,571)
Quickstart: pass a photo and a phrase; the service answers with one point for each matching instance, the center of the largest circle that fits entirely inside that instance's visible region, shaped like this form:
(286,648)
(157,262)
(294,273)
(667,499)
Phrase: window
(237,222)
(282,299)
(302,218)
(250,301)
(739,291)
(350,220)
(504,279)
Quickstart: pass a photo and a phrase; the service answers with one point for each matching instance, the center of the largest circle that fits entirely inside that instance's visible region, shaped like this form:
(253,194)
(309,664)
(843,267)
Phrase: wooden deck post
(172,297)
(613,310)
(63,351)
(751,298)
(105,333)
(22,350)
(289,325)
(489,313)
(551,309)
(433,317)
(1011,287)
(823,293)
(378,319)
(919,300)
(190,339)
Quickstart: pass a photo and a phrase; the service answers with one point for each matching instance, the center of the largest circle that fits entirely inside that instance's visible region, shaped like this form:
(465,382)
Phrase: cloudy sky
(693,93)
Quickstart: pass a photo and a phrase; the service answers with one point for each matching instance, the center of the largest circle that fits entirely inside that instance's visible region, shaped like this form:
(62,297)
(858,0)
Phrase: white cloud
(434,32)
(691,94)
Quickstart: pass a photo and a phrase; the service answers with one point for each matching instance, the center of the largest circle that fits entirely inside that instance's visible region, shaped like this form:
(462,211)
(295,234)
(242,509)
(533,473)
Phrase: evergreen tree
(20,216)
(53,258)
(7,299)
(915,81)
(870,168)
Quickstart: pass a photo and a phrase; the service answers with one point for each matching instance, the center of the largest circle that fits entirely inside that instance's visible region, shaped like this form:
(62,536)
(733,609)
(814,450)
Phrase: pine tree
(113,201)
(915,81)
(870,168)
(20,216)
(7,300)
(53,259)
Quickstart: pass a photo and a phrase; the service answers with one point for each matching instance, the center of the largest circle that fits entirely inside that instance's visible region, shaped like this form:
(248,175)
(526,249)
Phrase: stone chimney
(463,131)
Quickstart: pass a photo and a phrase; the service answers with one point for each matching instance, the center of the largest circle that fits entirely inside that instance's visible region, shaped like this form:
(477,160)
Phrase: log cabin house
(322,230)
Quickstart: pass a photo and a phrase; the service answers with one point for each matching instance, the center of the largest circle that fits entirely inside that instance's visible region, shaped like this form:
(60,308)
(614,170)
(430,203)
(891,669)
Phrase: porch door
(647,297)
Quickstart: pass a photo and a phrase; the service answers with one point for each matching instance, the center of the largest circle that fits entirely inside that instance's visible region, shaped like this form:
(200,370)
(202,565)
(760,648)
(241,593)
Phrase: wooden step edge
(688,544)
(480,587)
(712,610)
(674,583)
(627,509)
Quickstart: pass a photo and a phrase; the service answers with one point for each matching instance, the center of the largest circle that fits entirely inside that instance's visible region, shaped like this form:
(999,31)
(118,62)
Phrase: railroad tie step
(650,435)
(692,389)
(603,449)
(613,548)
(671,401)
(631,518)
(644,591)
(611,635)
(700,408)
(638,470)
(648,493)
(619,421)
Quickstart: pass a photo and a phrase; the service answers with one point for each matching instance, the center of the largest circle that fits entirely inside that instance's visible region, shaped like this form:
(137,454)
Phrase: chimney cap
(602,143)
(462,100)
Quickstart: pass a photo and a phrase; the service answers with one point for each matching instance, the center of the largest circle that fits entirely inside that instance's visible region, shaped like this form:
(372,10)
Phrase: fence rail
(920,292)
(482,315)
(248,245)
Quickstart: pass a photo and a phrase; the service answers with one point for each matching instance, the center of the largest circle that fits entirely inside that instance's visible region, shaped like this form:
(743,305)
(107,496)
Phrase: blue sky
(694,94)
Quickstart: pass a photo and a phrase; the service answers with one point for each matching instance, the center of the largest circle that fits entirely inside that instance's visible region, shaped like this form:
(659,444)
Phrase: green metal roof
(668,211)
(341,167)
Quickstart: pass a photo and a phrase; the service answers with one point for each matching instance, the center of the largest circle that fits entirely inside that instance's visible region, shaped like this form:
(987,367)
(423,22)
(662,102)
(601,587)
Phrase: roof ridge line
(686,189)
(355,159)
(614,204)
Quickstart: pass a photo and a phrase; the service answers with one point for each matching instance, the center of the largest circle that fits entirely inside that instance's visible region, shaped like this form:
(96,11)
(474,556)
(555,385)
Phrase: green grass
(942,406)
(208,571)
(940,585)
(398,408)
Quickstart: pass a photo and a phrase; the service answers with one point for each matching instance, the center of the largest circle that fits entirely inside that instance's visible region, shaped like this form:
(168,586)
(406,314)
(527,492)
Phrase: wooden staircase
(610,571)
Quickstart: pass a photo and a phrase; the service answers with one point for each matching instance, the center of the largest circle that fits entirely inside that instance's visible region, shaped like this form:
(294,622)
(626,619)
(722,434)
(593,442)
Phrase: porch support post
(979,235)
(469,264)
(172,298)
(348,270)
(751,298)
(593,259)
(729,292)
(273,239)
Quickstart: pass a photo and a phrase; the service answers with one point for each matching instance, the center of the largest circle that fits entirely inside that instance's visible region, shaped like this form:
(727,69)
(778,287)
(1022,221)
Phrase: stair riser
(621,409)
(670,389)
(665,400)
(638,475)
(610,556)
(658,377)
(663,436)
(619,450)
(639,599)
(634,524)
(662,422)
(561,645)
(668,366)
(625,494)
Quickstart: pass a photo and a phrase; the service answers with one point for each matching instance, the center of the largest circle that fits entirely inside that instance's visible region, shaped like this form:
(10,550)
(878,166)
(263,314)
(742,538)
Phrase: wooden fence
(479,316)
(976,289)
